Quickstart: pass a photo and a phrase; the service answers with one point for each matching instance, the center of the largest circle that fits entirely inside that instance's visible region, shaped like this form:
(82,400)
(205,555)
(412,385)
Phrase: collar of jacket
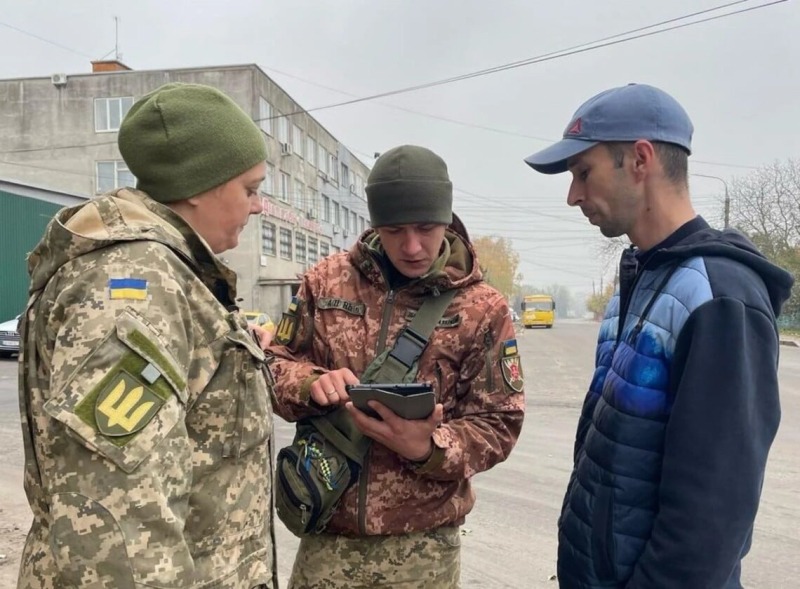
(455,267)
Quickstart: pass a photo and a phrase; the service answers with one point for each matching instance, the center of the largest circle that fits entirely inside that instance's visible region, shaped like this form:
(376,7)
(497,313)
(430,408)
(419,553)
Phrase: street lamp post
(727,197)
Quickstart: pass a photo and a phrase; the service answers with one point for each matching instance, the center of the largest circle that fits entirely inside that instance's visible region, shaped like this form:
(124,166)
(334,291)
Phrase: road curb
(790,342)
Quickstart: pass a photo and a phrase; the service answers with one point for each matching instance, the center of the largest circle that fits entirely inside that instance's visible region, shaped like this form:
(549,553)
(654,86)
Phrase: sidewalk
(790,340)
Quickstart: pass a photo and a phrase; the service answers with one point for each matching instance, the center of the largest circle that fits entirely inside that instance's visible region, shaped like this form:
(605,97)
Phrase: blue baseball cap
(627,113)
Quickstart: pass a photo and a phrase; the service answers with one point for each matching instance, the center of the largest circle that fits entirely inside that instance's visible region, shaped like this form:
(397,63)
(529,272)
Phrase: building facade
(60,133)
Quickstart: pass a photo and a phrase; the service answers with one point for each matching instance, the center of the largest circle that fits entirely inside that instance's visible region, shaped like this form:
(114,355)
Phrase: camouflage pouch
(315,471)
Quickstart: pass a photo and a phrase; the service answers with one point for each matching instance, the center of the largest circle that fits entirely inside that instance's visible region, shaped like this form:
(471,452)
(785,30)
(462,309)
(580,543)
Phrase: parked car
(260,318)
(9,338)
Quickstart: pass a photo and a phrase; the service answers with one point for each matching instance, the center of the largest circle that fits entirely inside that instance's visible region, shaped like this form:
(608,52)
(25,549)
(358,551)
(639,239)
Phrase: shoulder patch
(125,400)
(510,347)
(125,405)
(127,288)
(287,327)
(511,367)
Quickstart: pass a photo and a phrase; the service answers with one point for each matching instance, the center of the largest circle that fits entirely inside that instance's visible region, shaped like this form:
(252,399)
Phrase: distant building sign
(289,216)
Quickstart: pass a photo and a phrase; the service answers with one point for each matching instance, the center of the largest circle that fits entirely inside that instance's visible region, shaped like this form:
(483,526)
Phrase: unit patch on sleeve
(125,405)
(511,365)
(127,288)
(287,327)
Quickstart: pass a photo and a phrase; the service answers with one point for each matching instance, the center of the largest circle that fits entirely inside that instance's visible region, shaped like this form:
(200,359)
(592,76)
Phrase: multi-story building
(60,133)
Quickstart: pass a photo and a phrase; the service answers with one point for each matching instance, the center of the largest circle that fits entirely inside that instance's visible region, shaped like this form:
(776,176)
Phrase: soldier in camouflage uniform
(144,398)
(399,524)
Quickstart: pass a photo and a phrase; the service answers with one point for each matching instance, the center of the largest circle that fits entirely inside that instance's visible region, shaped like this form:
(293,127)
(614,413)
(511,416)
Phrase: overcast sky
(737,77)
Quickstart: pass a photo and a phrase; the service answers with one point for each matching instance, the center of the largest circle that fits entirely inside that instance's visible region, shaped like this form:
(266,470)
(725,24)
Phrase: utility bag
(328,451)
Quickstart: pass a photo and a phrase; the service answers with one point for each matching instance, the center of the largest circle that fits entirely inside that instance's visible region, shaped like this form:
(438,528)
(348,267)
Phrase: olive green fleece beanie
(409,184)
(183,139)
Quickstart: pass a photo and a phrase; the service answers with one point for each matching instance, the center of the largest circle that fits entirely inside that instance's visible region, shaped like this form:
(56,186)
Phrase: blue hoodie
(675,430)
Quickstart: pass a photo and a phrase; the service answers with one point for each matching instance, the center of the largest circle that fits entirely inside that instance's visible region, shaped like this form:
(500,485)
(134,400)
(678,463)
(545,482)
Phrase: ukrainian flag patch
(510,348)
(293,305)
(127,288)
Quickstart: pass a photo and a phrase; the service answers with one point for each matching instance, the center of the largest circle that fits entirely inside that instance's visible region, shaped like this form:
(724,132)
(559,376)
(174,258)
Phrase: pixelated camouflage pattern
(185,501)
(424,560)
(482,414)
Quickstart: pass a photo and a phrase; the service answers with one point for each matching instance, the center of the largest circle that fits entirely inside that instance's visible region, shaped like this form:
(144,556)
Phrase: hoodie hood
(456,267)
(124,215)
(733,245)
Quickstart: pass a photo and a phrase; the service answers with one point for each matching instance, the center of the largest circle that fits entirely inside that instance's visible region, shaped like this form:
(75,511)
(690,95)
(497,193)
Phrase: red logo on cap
(575,129)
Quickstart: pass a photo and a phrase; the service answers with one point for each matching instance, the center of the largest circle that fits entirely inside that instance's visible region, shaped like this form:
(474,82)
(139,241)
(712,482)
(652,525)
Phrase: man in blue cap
(683,407)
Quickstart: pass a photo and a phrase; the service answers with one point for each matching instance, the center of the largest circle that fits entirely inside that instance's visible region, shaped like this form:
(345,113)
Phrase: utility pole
(727,196)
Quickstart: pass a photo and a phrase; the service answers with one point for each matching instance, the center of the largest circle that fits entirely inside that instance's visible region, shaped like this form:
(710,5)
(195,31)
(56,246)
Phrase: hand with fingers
(329,388)
(410,438)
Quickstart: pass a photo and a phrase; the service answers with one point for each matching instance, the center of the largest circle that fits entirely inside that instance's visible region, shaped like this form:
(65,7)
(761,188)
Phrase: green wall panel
(22,224)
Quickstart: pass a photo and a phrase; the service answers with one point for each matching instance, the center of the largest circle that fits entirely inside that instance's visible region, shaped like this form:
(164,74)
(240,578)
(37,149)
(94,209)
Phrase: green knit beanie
(183,139)
(409,184)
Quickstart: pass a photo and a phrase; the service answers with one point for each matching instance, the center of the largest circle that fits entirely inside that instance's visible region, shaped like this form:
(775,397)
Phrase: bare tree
(766,207)
(609,252)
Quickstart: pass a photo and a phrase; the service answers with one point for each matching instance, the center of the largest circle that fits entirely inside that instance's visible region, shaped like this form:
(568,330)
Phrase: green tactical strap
(396,365)
(400,364)
(339,429)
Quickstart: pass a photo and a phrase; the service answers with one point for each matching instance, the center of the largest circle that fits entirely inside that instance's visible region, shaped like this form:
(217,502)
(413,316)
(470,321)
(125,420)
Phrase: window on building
(311,151)
(300,247)
(109,112)
(312,202)
(297,140)
(268,185)
(336,249)
(337,218)
(333,168)
(353,221)
(324,249)
(362,224)
(286,243)
(113,174)
(283,127)
(299,195)
(268,245)
(313,254)
(265,115)
(345,177)
(322,159)
(345,218)
(326,208)
(283,192)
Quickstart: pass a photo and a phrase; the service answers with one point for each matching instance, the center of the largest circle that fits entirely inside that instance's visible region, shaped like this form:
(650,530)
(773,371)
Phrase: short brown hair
(674,158)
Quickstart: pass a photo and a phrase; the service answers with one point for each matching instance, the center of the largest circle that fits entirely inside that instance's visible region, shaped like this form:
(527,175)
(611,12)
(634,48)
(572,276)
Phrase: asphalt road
(509,540)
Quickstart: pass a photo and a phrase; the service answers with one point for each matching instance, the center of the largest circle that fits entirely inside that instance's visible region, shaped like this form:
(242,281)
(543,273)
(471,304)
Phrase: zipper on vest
(387,314)
(363,479)
(489,343)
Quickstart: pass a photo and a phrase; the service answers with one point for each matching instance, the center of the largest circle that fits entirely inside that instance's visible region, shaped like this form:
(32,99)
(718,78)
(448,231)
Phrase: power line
(59,45)
(582,48)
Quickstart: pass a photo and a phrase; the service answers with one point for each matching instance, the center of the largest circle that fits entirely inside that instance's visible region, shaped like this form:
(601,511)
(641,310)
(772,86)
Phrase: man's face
(221,213)
(604,190)
(412,248)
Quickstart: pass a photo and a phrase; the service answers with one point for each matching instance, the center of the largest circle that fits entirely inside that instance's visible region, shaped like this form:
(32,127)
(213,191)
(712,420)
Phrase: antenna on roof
(117,55)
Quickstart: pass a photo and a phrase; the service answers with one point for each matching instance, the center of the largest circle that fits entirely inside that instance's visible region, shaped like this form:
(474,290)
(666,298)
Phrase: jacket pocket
(125,397)
(603,534)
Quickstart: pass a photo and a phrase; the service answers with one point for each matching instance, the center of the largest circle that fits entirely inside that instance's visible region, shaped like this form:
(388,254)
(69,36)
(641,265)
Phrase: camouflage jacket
(145,409)
(345,312)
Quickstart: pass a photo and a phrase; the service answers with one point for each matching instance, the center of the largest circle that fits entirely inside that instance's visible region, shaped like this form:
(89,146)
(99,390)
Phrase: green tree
(499,263)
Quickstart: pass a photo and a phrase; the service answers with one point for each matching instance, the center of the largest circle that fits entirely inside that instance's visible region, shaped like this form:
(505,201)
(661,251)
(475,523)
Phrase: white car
(9,338)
